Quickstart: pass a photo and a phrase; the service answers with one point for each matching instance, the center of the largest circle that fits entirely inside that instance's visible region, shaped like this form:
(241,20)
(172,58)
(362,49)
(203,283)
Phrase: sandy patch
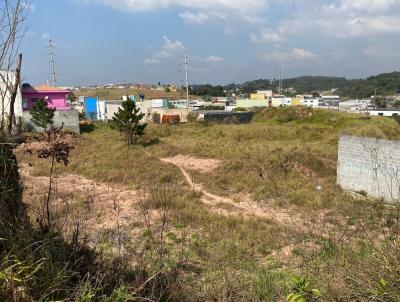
(95,205)
(203,165)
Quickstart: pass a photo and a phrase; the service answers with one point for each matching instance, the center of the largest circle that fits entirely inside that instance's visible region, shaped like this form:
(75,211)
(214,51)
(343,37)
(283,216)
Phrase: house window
(34,101)
(25,103)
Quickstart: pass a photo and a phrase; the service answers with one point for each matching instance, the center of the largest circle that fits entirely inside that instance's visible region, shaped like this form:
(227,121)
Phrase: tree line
(386,84)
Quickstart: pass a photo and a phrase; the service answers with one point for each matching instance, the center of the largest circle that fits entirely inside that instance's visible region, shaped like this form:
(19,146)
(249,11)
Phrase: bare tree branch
(13,14)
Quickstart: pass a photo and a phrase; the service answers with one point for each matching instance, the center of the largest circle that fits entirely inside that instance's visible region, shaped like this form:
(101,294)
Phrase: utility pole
(53,72)
(280,90)
(187,76)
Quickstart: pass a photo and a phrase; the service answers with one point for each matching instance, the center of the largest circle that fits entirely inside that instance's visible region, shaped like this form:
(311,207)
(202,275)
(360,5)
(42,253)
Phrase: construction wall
(249,103)
(183,113)
(69,118)
(370,165)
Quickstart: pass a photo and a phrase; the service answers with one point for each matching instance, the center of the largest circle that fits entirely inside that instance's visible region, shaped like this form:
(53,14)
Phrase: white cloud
(297,54)
(267,36)
(194,18)
(346,19)
(196,11)
(169,49)
(214,59)
(201,18)
(45,36)
(143,5)
(372,6)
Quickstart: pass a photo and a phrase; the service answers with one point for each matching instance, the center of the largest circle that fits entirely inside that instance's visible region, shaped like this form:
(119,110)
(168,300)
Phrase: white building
(5,94)
(267,93)
(385,112)
(355,105)
(313,103)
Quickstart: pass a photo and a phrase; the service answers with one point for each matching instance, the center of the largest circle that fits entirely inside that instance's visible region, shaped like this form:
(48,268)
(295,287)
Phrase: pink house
(55,97)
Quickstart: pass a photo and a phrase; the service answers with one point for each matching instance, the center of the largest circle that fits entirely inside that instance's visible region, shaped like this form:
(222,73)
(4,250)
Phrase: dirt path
(245,207)
(317,223)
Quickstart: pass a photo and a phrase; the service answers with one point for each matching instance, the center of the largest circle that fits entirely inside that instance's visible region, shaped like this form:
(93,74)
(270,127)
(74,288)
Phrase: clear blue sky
(143,41)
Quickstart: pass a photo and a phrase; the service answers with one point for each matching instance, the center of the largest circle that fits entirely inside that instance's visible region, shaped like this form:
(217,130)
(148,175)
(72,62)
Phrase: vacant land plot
(116,93)
(247,206)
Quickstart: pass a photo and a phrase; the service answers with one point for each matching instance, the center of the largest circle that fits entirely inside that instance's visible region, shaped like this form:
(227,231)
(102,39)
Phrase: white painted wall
(384,112)
(5,94)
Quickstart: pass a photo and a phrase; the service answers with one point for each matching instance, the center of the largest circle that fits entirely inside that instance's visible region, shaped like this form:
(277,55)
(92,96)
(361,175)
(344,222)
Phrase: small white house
(385,112)
(313,103)
(355,105)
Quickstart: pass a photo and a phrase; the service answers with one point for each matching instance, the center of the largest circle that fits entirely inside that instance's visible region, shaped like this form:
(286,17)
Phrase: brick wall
(371,165)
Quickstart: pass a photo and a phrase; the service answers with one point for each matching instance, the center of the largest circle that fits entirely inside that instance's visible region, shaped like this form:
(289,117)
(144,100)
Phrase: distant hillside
(116,94)
(385,84)
(305,84)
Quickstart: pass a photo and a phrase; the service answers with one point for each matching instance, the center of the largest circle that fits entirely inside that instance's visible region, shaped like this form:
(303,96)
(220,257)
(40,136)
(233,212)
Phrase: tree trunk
(14,93)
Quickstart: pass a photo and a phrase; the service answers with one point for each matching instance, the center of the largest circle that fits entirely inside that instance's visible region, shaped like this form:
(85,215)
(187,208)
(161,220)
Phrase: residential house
(56,98)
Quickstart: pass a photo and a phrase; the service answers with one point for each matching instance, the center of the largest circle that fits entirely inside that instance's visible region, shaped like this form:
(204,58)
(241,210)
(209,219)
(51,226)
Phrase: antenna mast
(187,75)
(53,72)
(280,90)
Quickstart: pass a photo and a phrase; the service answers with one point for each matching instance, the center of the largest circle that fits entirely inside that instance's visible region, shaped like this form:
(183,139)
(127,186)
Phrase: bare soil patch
(95,205)
(203,165)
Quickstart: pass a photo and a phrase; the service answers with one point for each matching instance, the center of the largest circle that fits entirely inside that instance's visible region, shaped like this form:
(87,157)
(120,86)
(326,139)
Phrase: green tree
(72,98)
(397,118)
(128,121)
(42,115)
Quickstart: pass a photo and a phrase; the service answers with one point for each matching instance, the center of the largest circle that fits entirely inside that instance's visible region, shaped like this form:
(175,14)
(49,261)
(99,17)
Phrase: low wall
(70,119)
(370,165)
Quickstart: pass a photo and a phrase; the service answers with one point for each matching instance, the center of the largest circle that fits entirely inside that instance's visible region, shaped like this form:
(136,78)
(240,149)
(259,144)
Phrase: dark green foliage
(87,127)
(385,84)
(156,118)
(301,291)
(212,107)
(72,98)
(128,121)
(11,207)
(306,84)
(207,90)
(397,118)
(42,116)
(239,109)
(82,116)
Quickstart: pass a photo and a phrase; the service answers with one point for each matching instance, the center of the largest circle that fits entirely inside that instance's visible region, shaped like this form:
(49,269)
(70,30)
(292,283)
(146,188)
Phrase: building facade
(56,98)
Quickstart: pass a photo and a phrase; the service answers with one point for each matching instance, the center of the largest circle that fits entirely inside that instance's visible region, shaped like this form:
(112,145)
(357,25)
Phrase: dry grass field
(233,212)
(116,93)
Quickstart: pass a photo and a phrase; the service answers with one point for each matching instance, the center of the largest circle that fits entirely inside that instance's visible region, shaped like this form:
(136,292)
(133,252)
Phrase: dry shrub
(376,278)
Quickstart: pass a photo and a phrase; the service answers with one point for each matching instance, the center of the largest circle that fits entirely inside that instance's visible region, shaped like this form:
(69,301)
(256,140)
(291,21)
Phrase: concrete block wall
(370,165)
(70,119)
